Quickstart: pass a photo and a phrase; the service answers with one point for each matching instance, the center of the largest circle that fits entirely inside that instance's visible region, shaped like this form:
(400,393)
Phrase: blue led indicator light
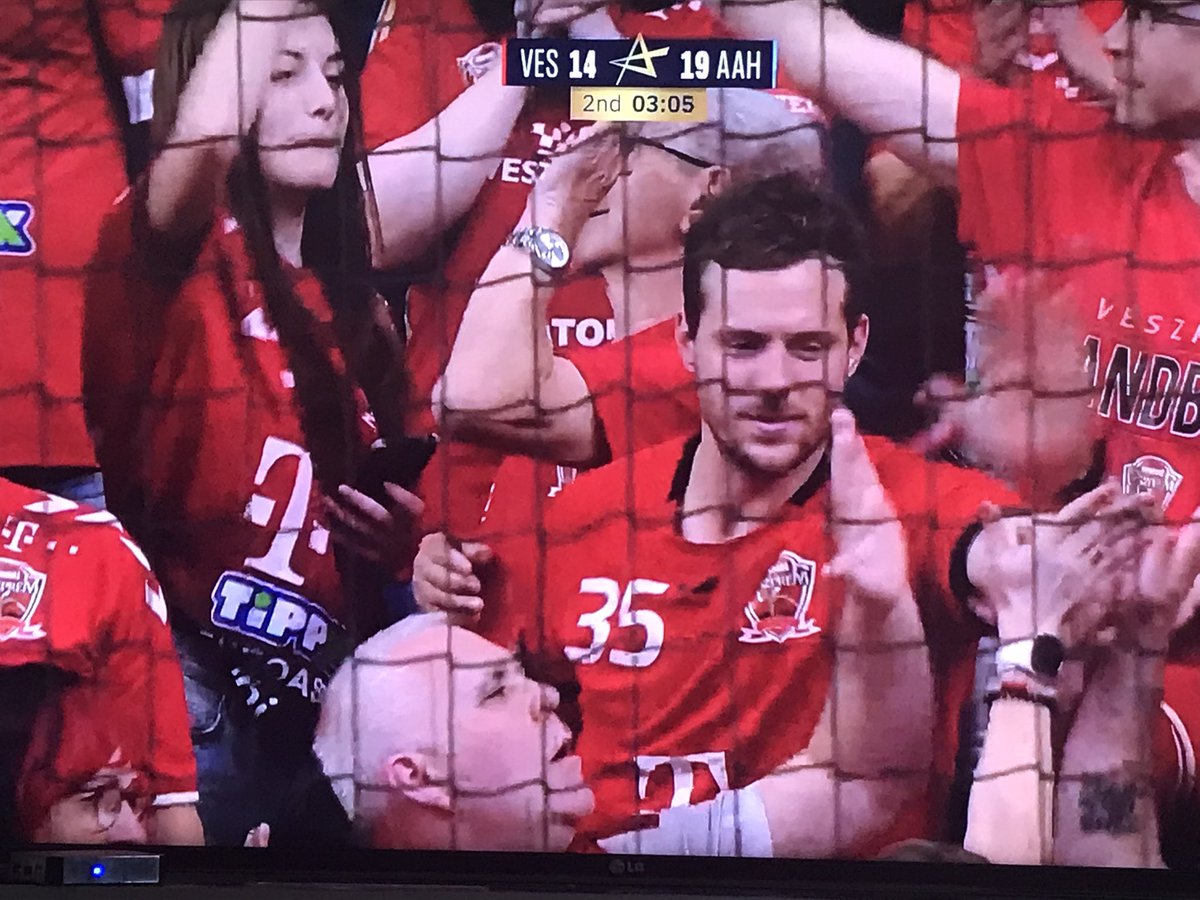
(97,871)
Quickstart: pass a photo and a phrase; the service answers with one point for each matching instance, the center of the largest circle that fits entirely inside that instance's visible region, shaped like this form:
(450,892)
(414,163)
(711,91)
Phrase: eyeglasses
(107,800)
(678,154)
(1165,12)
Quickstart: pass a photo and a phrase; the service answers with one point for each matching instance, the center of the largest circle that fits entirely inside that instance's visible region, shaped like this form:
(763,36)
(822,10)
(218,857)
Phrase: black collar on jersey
(1089,480)
(683,473)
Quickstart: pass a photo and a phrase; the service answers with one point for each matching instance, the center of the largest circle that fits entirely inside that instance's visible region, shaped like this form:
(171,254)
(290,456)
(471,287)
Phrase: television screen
(438,431)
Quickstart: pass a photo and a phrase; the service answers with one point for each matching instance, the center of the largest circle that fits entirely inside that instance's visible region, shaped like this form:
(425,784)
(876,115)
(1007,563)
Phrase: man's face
(511,782)
(644,211)
(109,809)
(770,357)
(507,742)
(302,122)
(1158,79)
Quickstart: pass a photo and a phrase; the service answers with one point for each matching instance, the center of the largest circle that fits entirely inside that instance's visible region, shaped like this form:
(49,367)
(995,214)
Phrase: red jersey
(1175,741)
(1052,183)
(201,443)
(706,667)
(945,29)
(642,396)
(63,166)
(77,594)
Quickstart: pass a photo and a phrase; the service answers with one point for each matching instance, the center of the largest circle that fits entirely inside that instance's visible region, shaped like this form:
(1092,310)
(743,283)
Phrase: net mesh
(316,272)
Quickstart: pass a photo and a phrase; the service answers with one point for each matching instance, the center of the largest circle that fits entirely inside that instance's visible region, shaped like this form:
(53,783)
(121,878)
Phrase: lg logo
(626,867)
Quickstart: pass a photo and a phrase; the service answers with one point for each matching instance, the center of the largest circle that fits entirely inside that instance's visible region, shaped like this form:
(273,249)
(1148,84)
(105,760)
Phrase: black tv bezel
(598,873)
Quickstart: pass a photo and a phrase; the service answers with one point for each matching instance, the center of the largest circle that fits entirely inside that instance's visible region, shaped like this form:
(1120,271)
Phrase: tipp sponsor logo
(270,614)
(15,238)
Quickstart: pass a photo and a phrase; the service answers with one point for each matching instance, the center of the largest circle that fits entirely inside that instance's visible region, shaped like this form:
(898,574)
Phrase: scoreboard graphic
(640,80)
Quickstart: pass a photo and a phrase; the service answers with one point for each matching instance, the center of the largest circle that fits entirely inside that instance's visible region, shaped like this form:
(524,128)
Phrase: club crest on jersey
(779,610)
(15,239)
(21,588)
(270,614)
(1151,475)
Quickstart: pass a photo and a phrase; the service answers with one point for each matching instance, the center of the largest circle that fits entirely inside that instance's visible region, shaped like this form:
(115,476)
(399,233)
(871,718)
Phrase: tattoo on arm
(1108,804)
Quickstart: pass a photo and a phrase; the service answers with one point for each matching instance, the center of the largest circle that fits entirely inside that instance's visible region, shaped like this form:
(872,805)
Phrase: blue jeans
(247,774)
(80,485)
(225,767)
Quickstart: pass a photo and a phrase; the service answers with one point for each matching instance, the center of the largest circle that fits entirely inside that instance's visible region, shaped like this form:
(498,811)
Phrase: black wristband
(1047,656)
(960,582)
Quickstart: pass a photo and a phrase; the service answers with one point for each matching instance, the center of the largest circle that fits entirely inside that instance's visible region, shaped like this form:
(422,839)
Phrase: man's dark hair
(771,224)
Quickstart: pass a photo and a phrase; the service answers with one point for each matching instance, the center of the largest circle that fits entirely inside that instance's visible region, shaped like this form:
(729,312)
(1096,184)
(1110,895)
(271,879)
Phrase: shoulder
(89,536)
(77,559)
(987,110)
(643,353)
(623,490)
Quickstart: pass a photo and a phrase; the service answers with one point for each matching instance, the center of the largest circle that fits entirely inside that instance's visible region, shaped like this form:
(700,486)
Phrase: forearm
(216,108)
(887,88)
(426,180)
(883,686)
(503,386)
(1106,809)
(1009,813)
(176,826)
(502,354)
(875,739)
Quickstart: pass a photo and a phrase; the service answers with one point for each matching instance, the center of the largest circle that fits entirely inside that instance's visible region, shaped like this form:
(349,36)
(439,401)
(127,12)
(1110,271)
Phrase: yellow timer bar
(610,104)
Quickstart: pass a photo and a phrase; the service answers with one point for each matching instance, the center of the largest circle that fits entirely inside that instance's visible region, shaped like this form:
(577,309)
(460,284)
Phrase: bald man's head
(437,736)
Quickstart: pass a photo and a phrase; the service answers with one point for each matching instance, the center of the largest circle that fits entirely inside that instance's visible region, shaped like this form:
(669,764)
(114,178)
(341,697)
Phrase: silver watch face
(551,250)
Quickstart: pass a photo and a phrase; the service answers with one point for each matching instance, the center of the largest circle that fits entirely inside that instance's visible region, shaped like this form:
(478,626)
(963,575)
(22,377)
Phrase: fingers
(477,554)
(364,526)
(1185,562)
(360,524)
(404,500)
(562,16)
(943,434)
(542,14)
(854,489)
(1085,508)
(359,509)
(259,836)
(601,135)
(444,578)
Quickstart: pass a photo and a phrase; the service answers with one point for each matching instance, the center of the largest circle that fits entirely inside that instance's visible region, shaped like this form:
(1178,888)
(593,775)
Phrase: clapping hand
(1028,421)
(871,557)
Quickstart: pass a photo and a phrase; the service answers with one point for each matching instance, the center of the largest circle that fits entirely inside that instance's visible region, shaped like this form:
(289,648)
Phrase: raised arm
(426,180)
(888,89)
(876,738)
(1107,814)
(1106,810)
(1061,578)
(217,107)
(503,385)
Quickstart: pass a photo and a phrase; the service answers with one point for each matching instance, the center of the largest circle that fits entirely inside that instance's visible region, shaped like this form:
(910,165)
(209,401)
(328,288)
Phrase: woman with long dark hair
(242,379)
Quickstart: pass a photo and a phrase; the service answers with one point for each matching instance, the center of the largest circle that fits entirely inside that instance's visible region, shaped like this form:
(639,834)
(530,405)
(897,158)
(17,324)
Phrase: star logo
(640,59)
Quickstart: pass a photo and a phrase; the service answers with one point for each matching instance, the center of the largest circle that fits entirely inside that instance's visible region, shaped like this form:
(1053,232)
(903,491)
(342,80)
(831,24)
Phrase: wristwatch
(547,248)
